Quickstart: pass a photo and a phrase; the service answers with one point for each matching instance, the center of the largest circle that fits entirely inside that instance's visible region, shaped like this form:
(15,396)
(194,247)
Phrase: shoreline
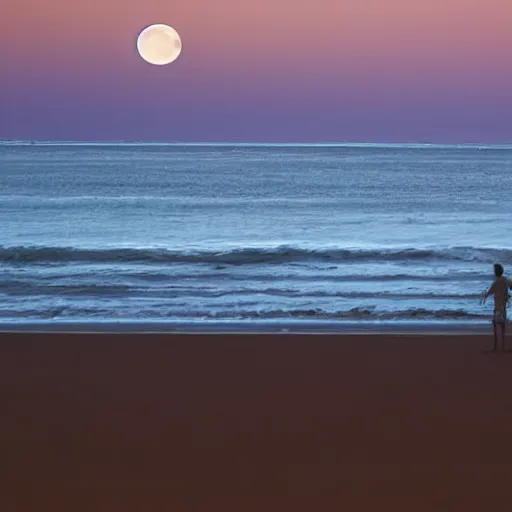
(234,327)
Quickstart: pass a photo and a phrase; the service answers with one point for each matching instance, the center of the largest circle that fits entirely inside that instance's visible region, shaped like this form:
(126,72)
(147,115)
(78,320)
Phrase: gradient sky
(266,70)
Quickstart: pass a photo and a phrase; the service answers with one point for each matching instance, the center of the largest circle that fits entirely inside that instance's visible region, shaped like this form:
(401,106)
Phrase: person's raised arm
(490,291)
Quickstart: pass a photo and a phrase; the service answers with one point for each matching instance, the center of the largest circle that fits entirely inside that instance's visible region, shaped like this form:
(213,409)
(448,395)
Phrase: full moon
(159,44)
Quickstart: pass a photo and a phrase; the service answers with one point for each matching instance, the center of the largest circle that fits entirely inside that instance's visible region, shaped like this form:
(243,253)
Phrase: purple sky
(356,71)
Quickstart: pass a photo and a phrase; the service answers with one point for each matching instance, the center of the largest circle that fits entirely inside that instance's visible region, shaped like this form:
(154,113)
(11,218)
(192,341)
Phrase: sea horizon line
(411,145)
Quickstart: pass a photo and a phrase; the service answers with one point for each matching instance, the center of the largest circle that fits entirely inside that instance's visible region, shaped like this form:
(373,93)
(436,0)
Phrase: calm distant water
(203,233)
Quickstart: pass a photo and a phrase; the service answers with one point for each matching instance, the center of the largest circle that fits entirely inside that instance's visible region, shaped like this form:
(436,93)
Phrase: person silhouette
(499,289)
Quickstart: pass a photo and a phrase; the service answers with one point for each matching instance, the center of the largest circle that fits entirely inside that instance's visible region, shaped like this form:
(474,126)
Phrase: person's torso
(501,292)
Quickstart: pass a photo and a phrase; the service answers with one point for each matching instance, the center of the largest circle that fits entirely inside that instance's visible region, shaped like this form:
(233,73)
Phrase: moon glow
(159,44)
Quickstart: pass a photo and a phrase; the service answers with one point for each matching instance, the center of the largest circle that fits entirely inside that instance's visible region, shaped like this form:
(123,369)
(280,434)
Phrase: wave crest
(244,256)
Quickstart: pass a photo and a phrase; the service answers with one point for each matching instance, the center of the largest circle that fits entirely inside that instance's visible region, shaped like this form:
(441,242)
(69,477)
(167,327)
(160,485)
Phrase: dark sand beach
(246,422)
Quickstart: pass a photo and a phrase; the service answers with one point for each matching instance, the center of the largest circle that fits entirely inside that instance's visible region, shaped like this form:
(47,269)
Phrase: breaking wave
(245,256)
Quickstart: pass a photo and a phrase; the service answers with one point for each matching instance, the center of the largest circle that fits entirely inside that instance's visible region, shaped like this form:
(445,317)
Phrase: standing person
(499,289)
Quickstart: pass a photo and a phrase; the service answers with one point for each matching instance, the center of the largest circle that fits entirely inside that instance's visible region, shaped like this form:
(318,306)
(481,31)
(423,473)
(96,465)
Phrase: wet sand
(243,422)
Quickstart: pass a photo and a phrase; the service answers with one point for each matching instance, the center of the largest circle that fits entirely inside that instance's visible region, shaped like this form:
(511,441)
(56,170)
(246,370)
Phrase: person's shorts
(499,317)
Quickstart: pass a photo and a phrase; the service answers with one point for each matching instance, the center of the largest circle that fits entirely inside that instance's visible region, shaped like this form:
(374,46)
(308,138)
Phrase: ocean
(252,234)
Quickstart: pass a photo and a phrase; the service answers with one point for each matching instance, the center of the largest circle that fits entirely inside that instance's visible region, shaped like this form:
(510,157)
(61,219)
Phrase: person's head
(498,270)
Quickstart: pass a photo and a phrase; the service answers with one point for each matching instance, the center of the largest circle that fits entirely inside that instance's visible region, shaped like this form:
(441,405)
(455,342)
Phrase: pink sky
(272,70)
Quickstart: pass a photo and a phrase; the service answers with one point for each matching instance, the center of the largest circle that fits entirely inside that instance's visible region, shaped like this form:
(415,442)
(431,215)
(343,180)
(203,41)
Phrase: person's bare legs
(503,327)
(499,332)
